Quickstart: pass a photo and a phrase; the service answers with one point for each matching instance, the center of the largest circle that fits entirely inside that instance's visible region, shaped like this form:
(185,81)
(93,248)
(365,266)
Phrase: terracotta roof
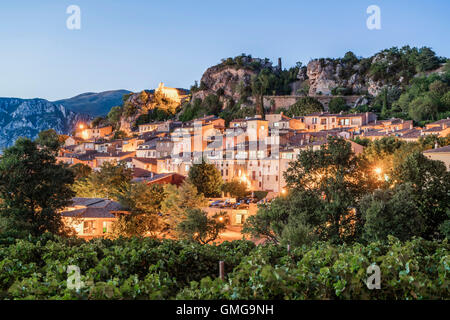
(433,129)
(96,203)
(162,176)
(112,154)
(89,213)
(374,133)
(141,173)
(412,134)
(147,160)
(440,121)
(88,155)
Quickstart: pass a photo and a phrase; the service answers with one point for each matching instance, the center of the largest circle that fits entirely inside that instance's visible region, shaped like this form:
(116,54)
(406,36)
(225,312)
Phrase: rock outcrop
(325,75)
(162,99)
(227,79)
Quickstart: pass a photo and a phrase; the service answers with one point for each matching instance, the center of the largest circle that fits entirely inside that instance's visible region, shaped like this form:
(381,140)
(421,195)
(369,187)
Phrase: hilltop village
(254,150)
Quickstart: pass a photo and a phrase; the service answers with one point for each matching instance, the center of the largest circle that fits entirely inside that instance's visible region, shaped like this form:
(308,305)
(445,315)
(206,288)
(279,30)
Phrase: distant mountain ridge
(28,117)
(94,103)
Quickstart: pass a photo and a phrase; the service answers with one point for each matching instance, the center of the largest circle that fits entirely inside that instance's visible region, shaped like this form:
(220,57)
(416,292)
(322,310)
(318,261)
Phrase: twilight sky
(135,44)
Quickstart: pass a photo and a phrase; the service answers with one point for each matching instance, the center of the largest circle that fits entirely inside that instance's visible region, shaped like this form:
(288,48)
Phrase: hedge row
(153,269)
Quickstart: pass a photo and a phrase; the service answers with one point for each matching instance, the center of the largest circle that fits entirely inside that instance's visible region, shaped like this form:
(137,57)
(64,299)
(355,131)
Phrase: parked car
(227,204)
(240,206)
(245,200)
(216,203)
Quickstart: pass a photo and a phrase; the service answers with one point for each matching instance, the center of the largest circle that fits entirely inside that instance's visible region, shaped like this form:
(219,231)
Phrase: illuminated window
(88,227)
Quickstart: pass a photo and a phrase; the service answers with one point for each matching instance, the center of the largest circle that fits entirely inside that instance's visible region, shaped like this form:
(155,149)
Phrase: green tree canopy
(391,212)
(294,219)
(144,204)
(431,184)
(49,139)
(206,178)
(107,182)
(178,200)
(340,180)
(197,226)
(235,188)
(33,187)
(81,171)
(337,105)
(114,115)
(304,106)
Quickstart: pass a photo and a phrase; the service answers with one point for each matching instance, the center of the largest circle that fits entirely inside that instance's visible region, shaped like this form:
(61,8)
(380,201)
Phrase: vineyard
(137,268)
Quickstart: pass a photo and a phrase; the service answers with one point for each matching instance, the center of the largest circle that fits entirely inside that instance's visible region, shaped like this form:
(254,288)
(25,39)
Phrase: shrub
(142,268)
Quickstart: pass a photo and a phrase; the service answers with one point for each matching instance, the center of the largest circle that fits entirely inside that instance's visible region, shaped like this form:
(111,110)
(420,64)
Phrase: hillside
(148,105)
(244,85)
(28,117)
(94,104)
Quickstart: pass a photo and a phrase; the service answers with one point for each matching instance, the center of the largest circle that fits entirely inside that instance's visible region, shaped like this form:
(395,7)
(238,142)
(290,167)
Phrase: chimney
(279,64)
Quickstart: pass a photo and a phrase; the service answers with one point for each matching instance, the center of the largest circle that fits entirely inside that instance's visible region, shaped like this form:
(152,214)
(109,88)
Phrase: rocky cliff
(231,77)
(389,68)
(150,105)
(349,75)
(326,75)
(227,79)
(27,117)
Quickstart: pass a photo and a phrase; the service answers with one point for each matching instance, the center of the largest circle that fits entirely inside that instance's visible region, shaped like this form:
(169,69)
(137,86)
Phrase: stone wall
(276,102)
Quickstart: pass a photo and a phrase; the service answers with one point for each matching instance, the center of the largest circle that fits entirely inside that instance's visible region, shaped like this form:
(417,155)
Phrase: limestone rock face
(140,103)
(324,76)
(374,87)
(28,117)
(226,78)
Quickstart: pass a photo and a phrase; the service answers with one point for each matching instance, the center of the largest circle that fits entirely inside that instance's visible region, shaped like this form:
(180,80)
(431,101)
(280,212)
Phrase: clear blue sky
(135,44)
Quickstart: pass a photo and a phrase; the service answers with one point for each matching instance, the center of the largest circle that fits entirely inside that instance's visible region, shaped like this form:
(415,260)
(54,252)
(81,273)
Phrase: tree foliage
(211,105)
(50,139)
(177,201)
(325,187)
(81,171)
(144,205)
(304,106)
(337,104)
(206,178)
(391,212)
(431,184)
(33,187)
(235,189)
(145,268)
(107,182)
(197,226)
